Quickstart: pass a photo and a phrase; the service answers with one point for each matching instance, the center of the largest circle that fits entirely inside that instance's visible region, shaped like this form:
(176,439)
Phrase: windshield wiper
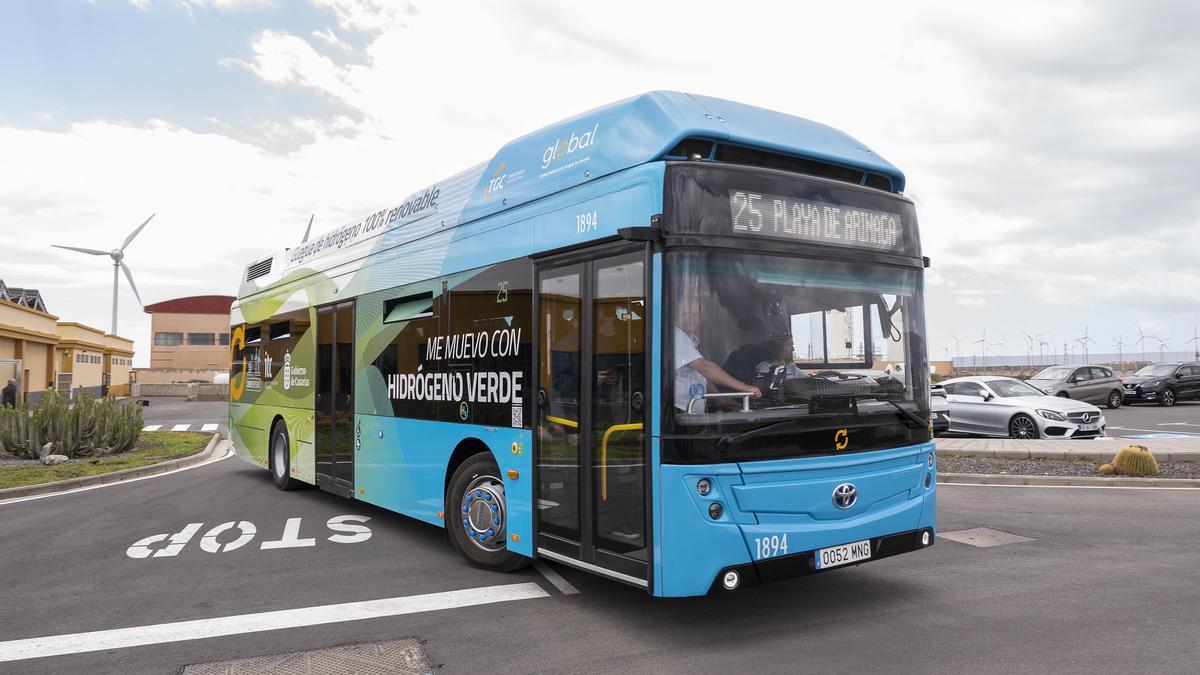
(731,440)
(911,419)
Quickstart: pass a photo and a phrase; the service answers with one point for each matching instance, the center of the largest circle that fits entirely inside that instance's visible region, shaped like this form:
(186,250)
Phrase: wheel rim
(1114,400)
(482,512)
(279,454)
(1169,397)
(1022,427)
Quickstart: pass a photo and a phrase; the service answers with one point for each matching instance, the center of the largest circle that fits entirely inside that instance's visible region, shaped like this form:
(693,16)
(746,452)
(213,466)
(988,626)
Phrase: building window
(224,338)
(201,339)
(168,339)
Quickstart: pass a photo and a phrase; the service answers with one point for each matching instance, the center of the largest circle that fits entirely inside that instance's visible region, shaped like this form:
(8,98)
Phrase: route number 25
(769,547)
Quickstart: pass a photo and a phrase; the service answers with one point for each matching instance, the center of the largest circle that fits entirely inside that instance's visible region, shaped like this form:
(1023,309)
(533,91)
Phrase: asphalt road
(1107,584)
(1137,420)
(167,412)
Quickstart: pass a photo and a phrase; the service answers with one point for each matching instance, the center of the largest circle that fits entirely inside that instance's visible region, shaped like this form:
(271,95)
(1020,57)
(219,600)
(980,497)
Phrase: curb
(1088,455)
(1078,481)
(114,477)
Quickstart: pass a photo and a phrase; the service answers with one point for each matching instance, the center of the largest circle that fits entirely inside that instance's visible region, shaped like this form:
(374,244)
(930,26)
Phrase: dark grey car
(1094,384)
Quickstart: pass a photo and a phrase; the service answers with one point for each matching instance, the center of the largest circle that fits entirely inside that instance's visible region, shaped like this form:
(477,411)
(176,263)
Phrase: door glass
(618,405)
(343,399)
(323,438)
(558,392)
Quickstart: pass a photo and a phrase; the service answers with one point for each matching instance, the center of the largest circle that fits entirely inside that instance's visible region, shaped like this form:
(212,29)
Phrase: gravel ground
(949,463)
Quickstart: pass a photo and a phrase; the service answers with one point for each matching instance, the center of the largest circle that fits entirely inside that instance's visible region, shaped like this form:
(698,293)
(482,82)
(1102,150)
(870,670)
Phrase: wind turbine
(118,258)
(1142,341)
(957,353)
(1029,351)
(308,230)
(1120,354)
(983,340)
(1083,342)
(1043,342)
(1196,347)
(1162,343)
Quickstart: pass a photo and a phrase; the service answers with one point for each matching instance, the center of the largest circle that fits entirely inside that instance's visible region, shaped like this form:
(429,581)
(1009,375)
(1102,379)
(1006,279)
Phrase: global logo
(563,148)
(463,411)
(287,371)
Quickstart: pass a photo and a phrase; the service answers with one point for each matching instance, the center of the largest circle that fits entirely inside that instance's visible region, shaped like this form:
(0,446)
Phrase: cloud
(368,16)
(282,59)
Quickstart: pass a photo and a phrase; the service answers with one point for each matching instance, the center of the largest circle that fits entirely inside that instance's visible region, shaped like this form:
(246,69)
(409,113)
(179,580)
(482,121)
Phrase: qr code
(518,416)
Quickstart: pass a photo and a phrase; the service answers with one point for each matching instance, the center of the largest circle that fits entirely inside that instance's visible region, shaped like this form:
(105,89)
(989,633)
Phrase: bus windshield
(819,342)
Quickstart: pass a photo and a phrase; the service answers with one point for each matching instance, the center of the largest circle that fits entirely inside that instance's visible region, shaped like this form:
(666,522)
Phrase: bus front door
(333,441)
(591,440)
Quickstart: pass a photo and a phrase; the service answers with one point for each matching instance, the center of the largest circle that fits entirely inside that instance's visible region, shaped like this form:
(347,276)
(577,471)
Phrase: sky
(1051,148)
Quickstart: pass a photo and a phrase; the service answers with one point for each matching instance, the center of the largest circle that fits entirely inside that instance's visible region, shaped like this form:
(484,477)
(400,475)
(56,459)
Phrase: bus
(676,341)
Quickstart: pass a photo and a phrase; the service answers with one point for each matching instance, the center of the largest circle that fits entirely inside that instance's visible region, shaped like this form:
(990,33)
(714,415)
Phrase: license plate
(1089,427)
(844,554)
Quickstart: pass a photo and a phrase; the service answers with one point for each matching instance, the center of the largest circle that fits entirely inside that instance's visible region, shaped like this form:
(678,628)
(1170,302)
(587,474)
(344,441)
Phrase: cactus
(87,426)
(1135,460)
(1107,469)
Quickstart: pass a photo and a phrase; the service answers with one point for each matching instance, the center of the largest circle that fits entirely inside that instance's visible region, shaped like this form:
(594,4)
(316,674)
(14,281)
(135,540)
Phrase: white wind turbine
(1083,343)
(118,258)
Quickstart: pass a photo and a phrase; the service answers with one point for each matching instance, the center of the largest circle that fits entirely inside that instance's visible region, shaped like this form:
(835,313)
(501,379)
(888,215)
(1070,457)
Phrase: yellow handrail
(604,454)
(563,421)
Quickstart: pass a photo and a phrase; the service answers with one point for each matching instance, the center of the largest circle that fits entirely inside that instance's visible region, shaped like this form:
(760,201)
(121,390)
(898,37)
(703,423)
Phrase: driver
(780,351)
(693,372)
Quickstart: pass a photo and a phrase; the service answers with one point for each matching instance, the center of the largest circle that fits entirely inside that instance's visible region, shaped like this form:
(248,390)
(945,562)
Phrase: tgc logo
(563,148)
(496,184)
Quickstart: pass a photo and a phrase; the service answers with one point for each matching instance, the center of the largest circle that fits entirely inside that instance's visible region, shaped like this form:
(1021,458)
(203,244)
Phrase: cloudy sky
(1051,148)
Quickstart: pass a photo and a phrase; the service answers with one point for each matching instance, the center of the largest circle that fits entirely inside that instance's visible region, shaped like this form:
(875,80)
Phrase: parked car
(1005,406)
(1094,384)
(1164,383)
(939,409)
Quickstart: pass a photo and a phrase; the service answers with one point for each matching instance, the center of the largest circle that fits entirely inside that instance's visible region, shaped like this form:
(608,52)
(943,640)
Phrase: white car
(939,409)
(1004,406)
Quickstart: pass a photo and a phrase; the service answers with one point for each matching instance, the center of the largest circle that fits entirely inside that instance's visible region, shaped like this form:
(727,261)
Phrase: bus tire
(477,515)
(281,461)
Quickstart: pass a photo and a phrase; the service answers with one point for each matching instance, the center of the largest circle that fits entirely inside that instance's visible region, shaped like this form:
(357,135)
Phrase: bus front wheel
(477,515)
(281,462)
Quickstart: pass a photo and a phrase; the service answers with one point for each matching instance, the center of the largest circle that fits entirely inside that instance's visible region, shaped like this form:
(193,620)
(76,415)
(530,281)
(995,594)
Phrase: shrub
(87,426)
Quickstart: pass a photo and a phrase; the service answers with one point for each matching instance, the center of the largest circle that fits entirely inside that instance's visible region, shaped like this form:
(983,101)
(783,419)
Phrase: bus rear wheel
(281,462)
(476,515)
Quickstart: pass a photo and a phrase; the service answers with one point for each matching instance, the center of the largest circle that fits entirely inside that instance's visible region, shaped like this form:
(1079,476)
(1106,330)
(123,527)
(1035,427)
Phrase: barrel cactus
(1135,460)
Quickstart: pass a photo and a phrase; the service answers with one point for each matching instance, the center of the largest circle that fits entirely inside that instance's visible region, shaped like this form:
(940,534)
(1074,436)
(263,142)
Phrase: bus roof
(649,127)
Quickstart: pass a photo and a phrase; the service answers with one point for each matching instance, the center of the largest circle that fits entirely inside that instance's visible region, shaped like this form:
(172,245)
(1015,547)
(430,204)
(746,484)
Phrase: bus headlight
(714,510)
(703,486)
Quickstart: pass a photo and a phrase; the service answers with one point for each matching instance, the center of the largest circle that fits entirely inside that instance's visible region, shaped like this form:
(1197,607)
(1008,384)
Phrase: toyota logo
(1087,417)
(845,495)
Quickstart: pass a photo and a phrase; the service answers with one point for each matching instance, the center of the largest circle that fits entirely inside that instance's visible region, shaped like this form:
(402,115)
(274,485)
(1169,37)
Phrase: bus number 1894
(769,547)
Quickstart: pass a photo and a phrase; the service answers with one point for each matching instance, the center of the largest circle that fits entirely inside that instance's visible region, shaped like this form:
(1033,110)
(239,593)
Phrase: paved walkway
(1166,450)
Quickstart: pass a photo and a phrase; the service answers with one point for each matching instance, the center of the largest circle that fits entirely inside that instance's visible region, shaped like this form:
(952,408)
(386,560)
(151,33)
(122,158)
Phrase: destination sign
(792,218)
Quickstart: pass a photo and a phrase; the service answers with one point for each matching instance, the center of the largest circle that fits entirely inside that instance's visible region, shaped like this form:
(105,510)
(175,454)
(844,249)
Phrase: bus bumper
(773,517)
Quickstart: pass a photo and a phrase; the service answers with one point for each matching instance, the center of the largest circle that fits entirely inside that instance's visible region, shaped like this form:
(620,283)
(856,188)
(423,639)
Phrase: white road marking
(120,638)
(152,427)
(1067,487)
(181,427)
(229,453)
(209,427)
(983,537)
(1177,424)
(555,578)
(1152,431)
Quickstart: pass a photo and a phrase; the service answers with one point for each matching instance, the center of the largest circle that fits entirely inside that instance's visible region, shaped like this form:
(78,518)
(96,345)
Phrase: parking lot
(1153,421)
(306,570)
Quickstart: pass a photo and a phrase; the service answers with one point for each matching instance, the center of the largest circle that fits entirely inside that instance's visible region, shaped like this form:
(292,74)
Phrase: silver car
(1094,384)
(1004,406)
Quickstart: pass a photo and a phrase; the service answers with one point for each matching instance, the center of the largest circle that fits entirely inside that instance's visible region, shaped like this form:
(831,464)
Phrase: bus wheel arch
(279,451)
(475,493)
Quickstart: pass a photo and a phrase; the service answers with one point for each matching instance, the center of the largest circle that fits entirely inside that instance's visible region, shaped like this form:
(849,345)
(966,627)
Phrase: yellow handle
(604,454)
(563,421)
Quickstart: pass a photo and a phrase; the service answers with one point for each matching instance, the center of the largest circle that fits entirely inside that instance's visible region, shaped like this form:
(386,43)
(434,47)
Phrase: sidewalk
(1101,449)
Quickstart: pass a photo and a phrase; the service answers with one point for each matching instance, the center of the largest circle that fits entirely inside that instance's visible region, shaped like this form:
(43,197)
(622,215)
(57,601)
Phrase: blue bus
(675,341)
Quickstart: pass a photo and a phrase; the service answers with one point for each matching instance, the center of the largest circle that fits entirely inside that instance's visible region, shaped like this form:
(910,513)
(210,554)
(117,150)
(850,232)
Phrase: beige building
(41,352)
(190,339)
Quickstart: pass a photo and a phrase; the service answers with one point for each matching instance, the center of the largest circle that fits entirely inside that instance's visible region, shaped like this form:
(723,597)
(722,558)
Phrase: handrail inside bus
(604,454)
(636,426)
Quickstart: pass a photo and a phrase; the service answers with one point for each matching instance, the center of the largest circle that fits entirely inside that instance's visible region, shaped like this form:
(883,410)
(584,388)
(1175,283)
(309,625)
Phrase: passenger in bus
(693,372)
